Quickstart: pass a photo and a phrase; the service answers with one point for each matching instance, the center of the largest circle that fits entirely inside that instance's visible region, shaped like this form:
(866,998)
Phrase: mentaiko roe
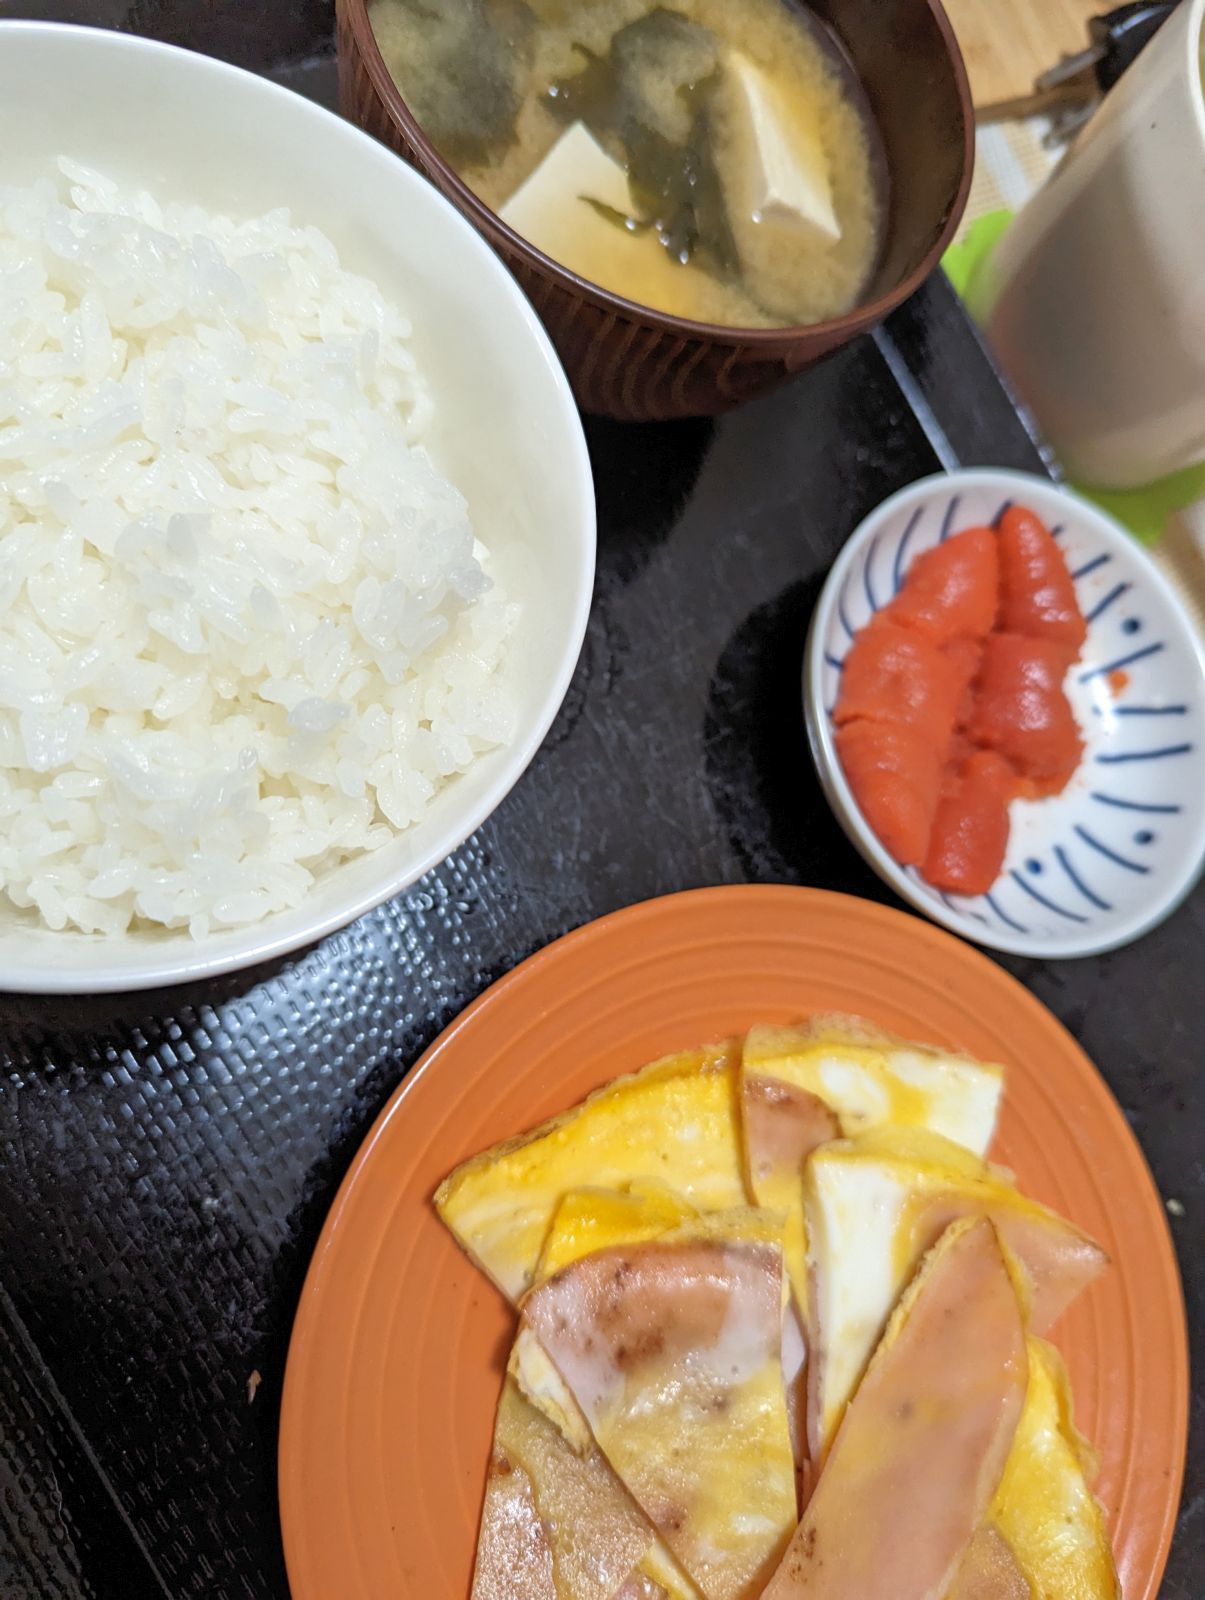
(1021,712)
(952,701)
(970,826)
(892,674)
(1037,595)
(951,591)
(895,774)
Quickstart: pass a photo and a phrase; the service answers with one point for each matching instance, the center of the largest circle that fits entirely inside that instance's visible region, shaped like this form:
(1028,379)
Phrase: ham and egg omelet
(780,1334)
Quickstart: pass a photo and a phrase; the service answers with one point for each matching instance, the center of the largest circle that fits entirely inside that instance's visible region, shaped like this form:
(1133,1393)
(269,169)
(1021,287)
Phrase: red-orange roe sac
(895,775)
(951,591)
(961,751)
(894,675)
(970,830)
(1021,712)
(1037,596)
(963,657)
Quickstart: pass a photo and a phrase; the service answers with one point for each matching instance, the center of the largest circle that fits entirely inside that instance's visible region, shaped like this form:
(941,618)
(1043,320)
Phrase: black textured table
(166,1159)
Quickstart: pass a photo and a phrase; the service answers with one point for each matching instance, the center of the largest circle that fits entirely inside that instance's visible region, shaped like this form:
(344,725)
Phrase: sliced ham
(874,1205)
(923,1443)
(1059,1262)
(782,1126)
(989,1571)
(673,1351)
(514,1557)
(555,1525)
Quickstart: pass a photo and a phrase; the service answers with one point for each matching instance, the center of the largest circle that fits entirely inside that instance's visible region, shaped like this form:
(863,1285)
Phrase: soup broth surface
(496,84)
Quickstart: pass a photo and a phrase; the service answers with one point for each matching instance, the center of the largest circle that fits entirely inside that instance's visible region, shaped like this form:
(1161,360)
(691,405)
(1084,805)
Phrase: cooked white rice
(246,631)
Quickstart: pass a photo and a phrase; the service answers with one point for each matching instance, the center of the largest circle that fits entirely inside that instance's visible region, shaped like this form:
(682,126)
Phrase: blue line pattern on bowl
(1108,851)
(901,550)
(1035,894)
(1150,711)
(1090,853)
(1091,566)
(1102,605)
(1108,668)
(1133,805)
(1107,756)
(1064,861)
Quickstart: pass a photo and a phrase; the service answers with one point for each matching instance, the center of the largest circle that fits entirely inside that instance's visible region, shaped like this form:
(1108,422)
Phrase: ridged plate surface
(399,1343)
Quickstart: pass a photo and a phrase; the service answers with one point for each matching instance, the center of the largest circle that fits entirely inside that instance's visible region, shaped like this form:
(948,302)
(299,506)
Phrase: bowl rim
(165,964)
(832,330)
(832,776)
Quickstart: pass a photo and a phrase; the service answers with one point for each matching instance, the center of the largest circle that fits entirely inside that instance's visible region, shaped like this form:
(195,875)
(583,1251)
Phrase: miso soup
(715,159)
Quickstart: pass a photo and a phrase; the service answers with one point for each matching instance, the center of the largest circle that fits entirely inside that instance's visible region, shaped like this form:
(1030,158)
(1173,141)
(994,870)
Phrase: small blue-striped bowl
(1107,860)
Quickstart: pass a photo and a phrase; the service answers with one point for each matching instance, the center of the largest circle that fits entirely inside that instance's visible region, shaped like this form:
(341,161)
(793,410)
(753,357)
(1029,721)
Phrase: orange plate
(400,1343)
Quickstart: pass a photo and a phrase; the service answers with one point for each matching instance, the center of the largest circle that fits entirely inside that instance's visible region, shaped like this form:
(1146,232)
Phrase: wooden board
(1007,43)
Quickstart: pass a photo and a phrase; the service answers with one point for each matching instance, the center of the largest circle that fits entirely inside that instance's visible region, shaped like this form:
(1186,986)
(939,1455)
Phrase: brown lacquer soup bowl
(625,360)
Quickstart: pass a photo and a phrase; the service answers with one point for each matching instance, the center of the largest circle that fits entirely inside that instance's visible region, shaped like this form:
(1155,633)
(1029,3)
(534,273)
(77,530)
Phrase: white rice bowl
(245,628)
(296,531)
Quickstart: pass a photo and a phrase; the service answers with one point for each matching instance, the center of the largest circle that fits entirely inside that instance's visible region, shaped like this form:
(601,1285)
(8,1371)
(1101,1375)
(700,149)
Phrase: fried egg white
(869,1078)
(1044,1508)
(675,1122)
(837,1075)
(873,1206)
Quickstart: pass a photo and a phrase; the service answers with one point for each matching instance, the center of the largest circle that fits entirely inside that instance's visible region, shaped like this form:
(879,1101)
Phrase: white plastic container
(1097,291)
